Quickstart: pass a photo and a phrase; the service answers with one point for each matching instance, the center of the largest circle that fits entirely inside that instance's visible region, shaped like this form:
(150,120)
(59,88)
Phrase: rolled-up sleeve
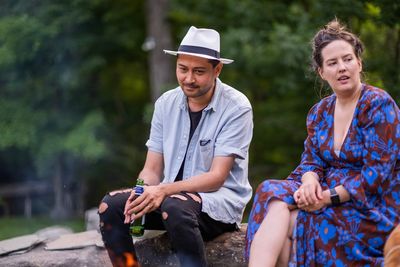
(235,136)
(155,142)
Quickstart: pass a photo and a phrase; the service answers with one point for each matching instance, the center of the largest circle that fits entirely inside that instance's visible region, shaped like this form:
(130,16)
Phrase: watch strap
(335,199)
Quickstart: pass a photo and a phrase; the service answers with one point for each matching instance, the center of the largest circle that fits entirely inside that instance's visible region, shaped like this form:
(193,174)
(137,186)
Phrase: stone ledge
(225,250)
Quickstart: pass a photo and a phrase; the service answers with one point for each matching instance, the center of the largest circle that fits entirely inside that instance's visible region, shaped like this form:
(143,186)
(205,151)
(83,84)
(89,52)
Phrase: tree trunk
(63,197)
(57,211)
(158,38)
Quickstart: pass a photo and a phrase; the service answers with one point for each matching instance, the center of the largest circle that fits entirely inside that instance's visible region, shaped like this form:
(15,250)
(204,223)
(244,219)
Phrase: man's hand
(128,218)
(151,199)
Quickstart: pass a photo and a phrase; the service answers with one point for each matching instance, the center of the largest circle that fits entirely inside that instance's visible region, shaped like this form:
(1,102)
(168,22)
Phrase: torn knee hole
(179,196)
(103,207)
(194,197)
(164,215)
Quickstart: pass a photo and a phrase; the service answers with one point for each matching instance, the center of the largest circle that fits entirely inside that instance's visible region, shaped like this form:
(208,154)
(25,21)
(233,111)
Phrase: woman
(339,205)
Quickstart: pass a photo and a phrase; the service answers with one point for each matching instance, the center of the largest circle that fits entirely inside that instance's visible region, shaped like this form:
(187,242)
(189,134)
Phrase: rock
(53,232)
(19,244)
(92,220)
(225,250)
(76,241)
(85,257)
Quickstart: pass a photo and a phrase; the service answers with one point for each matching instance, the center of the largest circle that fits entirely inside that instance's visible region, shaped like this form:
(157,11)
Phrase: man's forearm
(205,182)
(149,177)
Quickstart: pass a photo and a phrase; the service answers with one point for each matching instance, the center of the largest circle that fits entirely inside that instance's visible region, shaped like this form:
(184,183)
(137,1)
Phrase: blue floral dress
(368,166)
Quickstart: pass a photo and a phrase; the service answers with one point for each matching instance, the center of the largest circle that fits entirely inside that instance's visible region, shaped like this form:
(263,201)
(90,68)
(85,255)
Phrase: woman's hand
(309,194)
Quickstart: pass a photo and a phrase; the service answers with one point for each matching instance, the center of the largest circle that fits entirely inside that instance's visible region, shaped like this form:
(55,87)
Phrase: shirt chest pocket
(205,155)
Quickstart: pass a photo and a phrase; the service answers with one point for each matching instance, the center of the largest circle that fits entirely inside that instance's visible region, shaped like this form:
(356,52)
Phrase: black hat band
(199,50)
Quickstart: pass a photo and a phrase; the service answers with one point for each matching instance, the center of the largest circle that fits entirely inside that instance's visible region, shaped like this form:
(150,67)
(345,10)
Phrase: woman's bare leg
(283,259)
(271,236)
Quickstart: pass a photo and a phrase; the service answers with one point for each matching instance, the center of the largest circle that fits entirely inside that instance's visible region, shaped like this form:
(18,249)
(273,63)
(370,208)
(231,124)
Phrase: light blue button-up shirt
(225,129)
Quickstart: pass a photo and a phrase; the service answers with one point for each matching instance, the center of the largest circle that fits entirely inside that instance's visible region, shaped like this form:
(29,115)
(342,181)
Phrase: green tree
(75,97)
(270,42)
(66,75)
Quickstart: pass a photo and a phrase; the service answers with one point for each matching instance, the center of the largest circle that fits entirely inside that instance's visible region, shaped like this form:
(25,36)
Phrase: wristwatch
(335,199)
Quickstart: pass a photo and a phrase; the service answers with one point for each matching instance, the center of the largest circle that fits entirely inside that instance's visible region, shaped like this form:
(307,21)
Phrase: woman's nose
(341,66)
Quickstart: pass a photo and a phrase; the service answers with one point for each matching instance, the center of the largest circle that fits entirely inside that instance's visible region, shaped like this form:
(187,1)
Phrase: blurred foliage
(74,79)
(270,42)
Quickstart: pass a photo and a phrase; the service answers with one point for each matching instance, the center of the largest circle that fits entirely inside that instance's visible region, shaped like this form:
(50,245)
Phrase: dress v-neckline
(337,152)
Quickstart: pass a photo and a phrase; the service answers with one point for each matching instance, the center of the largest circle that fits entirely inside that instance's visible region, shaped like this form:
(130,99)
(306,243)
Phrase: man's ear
(320,72)
(218,68)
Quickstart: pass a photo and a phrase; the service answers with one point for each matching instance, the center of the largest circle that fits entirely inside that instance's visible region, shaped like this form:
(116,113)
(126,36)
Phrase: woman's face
(340,67)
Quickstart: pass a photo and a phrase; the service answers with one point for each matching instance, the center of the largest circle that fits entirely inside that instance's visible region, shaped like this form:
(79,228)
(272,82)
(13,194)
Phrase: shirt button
(179,157)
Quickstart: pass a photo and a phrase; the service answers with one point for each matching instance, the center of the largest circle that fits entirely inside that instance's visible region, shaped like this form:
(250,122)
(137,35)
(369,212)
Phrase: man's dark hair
(214,62)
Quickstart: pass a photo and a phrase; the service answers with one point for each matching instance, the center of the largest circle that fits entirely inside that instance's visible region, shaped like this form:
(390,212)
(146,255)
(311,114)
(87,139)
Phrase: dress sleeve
(310,158)
(380,131)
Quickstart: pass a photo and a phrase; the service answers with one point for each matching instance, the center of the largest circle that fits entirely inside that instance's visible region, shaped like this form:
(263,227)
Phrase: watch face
(334,197)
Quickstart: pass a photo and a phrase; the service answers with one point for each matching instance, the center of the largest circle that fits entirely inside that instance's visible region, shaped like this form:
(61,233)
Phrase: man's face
(196,76)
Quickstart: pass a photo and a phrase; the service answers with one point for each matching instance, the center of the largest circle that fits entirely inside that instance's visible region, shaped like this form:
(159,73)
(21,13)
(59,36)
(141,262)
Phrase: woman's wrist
(309,176)
(326,197)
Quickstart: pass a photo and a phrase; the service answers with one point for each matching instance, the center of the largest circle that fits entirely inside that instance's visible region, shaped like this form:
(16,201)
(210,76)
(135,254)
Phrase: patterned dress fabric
(368,166)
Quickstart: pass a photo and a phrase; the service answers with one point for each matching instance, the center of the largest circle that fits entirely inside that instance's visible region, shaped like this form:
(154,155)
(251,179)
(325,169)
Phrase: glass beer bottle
(137,226)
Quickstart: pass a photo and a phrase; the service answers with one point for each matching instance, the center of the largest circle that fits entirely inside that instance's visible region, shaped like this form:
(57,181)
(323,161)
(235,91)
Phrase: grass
(17,226)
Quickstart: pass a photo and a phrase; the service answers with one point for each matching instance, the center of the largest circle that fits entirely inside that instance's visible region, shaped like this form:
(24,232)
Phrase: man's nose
(190,77)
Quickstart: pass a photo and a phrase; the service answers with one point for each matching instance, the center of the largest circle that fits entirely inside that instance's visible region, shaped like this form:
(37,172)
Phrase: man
(197,160)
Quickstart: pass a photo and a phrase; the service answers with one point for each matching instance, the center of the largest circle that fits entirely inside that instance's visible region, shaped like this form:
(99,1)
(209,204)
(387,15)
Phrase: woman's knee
(278,206)
(265,186)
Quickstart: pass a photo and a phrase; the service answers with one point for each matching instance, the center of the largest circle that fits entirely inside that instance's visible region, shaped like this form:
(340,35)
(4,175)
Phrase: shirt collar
(214,100)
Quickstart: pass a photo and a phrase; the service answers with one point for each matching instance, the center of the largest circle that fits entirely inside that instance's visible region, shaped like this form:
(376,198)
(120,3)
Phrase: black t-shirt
(194,122)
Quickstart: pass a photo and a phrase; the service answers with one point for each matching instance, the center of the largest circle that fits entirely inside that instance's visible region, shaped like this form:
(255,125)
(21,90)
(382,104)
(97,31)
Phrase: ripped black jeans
(180,215)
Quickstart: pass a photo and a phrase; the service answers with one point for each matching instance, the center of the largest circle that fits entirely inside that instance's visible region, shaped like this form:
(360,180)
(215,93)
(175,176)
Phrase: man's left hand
(151,199)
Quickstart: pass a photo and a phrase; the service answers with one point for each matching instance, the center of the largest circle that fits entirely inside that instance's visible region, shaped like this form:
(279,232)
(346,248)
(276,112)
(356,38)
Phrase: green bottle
(137,226)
